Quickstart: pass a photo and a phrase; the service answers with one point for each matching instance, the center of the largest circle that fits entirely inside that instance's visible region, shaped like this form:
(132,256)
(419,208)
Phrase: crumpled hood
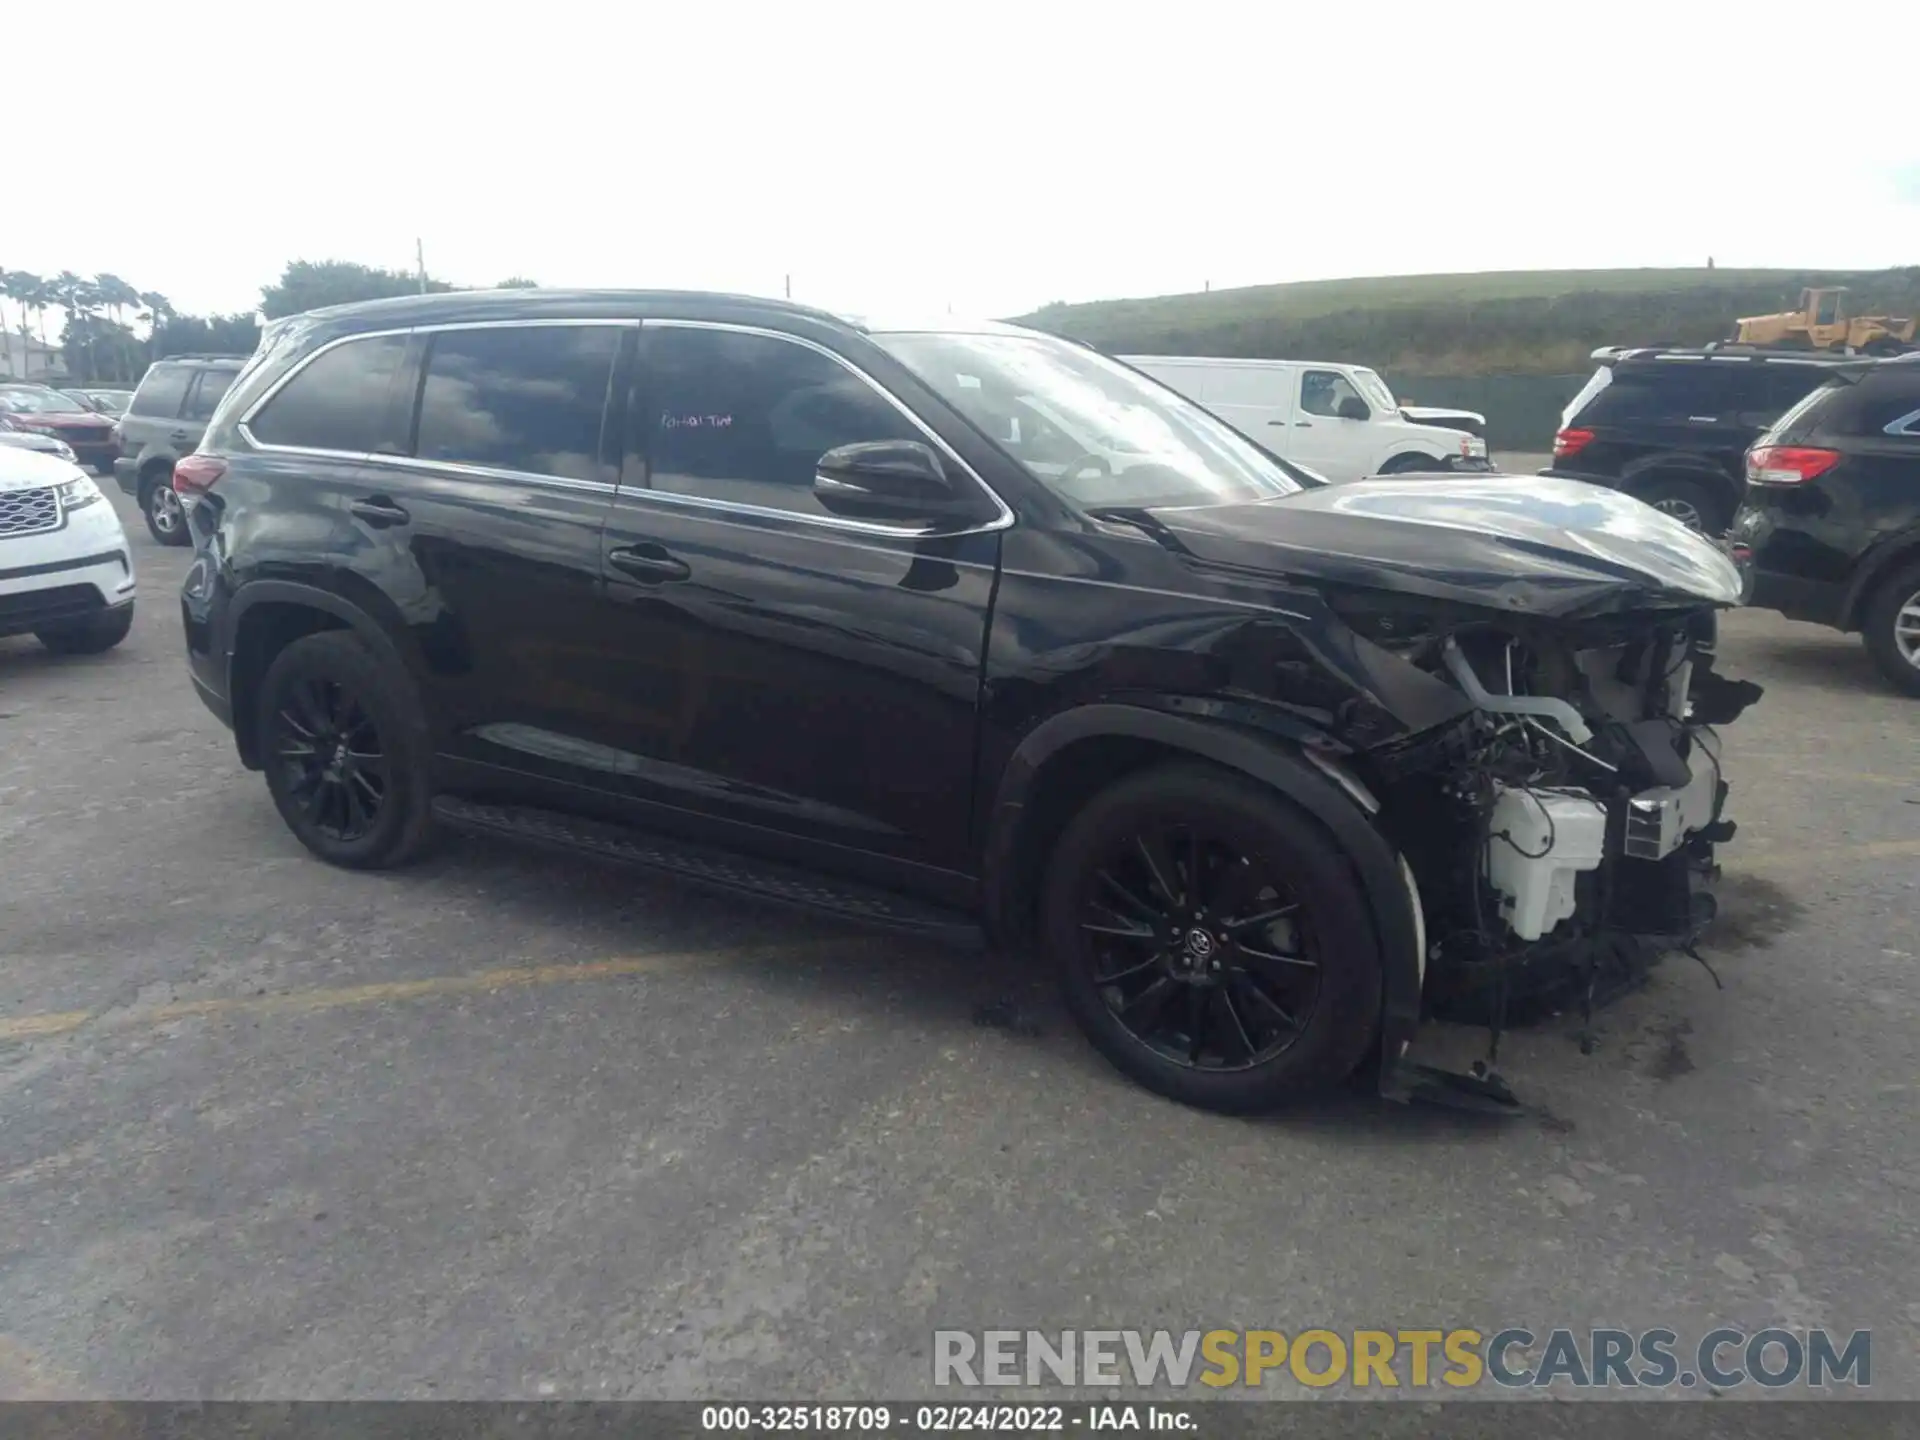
(1508,542)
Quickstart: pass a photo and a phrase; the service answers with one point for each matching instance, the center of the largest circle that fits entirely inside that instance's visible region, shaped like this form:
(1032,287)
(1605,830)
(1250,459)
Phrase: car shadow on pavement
(1811,655)
(957,997)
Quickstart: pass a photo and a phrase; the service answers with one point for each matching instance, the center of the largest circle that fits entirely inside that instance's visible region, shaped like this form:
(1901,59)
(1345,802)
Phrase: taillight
(196,474)
(1569,443)
(1788,464)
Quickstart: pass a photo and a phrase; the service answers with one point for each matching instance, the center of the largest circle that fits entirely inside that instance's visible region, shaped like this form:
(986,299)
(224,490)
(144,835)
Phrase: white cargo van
(1340,420)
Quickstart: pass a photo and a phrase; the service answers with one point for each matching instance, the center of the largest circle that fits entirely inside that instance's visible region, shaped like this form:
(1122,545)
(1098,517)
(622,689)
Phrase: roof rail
(1722,350)
(198,355)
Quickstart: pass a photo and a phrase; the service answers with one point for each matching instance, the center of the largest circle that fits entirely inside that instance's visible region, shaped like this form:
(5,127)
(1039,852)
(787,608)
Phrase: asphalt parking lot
(507,1126)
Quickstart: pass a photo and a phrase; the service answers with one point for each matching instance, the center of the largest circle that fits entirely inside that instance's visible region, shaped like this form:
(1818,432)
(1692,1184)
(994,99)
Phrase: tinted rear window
(1665,391)
(161,391)
(338,401)
(528,398)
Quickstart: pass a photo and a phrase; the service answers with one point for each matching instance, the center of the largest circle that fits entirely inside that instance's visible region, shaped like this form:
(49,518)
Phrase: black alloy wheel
(1213,939)
(344,743)
(1201,953)
(334,766)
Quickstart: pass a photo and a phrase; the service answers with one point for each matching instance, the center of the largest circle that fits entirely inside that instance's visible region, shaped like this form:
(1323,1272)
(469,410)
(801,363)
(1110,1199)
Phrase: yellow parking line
(342,997)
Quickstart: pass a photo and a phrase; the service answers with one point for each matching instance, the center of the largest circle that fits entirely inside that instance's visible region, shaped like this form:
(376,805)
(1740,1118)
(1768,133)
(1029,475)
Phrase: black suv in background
(1671,426)
(165,420)
(781,603)
(1830,531)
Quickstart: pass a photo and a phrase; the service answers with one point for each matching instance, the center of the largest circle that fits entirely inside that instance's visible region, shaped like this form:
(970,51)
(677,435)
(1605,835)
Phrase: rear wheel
(1212,940)
(166,520)
(92,636)
(1411,465)
(1688,501)
(1891,625)
(344,746)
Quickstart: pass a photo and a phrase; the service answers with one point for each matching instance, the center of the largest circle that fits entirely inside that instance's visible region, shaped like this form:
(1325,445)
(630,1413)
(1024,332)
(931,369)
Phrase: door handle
(649,564)
(1303,424)
(379,512)
(181,435)
(1277,422)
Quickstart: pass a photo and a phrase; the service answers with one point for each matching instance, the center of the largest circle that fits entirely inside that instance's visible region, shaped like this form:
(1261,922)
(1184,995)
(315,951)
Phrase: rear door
(152,420)
(491,517)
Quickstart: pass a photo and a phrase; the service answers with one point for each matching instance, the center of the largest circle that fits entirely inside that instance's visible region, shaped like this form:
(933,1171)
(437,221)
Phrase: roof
(444,306)
(453,306)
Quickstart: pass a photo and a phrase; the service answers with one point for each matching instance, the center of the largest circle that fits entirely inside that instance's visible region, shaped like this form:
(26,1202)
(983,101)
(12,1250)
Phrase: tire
(1413,464)
(1687,501)
(160,507)
(1283,892)
(94,635)
(344,744)
(1895,603)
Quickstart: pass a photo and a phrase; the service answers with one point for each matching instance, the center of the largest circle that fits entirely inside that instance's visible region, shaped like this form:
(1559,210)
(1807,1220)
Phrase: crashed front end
(1561,829)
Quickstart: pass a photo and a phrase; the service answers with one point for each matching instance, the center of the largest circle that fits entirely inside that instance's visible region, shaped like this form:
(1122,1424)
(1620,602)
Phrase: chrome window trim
(1001,521)
(1908,424)
(460,469)
(244,426)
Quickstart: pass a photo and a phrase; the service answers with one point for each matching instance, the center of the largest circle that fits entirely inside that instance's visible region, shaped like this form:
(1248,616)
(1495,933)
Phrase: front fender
(1283,767)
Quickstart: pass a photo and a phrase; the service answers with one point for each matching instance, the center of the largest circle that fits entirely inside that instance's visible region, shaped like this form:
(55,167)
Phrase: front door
(1338,446)
(777,666)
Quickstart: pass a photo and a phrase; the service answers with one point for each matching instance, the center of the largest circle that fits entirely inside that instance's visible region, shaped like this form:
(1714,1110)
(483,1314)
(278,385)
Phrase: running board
(712,868)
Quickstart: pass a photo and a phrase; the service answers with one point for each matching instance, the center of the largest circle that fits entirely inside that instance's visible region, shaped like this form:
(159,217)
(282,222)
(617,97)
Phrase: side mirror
(1354,408)
(887,480)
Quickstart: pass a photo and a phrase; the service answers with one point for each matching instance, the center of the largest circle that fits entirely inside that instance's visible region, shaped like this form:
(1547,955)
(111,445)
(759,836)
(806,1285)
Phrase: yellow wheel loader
(1822,323)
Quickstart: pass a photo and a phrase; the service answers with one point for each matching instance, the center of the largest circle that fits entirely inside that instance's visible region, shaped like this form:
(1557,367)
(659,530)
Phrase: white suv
(66,574)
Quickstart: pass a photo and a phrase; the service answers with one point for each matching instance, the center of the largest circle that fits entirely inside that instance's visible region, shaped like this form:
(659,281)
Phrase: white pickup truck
(1338,420)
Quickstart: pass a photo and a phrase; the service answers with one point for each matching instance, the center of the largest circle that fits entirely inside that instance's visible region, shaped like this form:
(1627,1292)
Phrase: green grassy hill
(1498,322)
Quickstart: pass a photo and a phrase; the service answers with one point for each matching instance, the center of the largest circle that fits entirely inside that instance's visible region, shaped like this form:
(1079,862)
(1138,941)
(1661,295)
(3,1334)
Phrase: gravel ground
(509,1126)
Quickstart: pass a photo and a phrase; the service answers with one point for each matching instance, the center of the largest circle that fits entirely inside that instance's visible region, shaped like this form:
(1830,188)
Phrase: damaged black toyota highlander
(970,632)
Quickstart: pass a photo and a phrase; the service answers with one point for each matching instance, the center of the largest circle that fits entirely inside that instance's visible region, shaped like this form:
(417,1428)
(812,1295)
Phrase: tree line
(109,330)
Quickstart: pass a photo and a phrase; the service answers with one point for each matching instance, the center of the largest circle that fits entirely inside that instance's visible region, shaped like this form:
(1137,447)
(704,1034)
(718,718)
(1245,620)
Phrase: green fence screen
(1522,411)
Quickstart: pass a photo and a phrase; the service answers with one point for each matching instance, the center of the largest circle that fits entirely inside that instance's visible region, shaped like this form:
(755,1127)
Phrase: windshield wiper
(1142,520)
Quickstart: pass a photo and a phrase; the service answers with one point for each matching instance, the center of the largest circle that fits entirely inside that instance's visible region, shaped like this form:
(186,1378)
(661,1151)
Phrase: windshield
(1094,432)
(1375,389)
(39,402)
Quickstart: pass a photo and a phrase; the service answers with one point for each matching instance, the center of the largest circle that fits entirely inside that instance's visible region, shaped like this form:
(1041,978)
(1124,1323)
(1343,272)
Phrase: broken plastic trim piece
(1558,711)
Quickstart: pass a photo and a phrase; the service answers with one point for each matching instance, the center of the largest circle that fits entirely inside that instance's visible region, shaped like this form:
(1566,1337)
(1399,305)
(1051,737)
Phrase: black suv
(165,420)
(1671,426)
(772,600)
(1830,531)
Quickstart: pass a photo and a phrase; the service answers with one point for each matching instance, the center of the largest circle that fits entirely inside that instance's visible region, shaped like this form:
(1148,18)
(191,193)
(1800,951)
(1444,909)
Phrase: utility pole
(789,287)
(420,264)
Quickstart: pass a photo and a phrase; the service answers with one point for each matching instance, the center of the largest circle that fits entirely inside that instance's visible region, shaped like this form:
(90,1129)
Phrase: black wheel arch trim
(1883,558)
(1684,465)
(1272,761)
(293,592)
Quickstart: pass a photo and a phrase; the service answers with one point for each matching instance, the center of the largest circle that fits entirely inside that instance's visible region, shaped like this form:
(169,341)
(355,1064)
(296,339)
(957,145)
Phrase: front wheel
(345,751)
(94,635)
(1212,941)
(1412,464)
(1891,626)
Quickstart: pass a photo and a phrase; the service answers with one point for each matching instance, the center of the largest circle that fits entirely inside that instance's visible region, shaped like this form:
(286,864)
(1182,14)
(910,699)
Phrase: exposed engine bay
(1561,833)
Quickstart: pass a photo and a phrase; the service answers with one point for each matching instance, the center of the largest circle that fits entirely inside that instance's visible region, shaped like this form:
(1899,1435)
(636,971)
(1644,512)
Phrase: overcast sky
(984,156)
